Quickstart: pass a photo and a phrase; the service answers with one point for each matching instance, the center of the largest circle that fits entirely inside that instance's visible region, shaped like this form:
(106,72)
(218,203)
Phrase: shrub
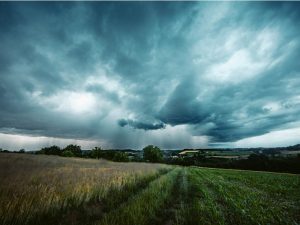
(120,157)
(67,154)
(52,150)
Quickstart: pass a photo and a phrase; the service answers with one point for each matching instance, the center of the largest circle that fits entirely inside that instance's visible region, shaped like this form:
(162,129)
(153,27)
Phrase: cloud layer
(127,74)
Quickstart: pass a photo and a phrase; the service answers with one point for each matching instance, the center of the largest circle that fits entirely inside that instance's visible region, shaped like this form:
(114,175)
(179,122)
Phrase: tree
(96,153)
(258,157)
(200,155)
(22,150)
(75,149)
(152,153)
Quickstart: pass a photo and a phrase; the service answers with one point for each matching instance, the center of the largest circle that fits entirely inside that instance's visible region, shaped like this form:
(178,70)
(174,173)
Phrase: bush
(67,154)
(22,150)
(52,150)
(120,157)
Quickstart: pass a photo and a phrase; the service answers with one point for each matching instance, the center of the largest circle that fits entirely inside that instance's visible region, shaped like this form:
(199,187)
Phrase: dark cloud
(224,71)
(141,125)
(182,107)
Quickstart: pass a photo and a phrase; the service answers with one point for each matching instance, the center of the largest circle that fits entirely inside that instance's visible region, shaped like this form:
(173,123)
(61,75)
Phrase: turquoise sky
(129,74)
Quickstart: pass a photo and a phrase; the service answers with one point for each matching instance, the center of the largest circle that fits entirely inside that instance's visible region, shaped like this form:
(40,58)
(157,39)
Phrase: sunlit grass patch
(43,185)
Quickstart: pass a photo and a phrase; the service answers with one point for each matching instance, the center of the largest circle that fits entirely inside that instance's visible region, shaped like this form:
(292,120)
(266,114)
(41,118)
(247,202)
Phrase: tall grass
(43,185)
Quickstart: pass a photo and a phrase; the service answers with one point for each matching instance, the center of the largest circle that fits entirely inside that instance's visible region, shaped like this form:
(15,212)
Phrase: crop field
(38,189)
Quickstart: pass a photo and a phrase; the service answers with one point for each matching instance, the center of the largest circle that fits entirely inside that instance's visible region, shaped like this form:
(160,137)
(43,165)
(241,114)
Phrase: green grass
(229,153)
(143,194)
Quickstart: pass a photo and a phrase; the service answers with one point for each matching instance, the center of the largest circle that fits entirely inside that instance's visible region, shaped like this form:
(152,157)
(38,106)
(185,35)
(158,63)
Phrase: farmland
(39,189)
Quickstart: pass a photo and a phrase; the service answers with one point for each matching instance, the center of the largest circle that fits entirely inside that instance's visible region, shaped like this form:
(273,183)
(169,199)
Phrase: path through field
(190,196)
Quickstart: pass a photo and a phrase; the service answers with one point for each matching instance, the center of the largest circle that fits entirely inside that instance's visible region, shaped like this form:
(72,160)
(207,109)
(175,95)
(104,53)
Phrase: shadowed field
(56,190)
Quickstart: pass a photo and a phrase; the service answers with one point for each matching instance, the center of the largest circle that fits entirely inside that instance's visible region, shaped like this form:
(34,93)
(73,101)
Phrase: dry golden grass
(36,184)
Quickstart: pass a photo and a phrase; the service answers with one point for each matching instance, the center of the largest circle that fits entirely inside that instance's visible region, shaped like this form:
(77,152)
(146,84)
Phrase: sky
(129,74)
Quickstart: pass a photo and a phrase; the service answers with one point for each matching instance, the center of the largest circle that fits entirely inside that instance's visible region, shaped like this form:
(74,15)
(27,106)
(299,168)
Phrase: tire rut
(177,200)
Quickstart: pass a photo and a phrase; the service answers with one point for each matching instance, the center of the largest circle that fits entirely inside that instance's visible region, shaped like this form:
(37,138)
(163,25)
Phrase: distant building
(188,153)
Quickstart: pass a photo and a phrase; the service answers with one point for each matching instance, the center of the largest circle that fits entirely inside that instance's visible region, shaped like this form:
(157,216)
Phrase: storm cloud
(141,125)
(127,74)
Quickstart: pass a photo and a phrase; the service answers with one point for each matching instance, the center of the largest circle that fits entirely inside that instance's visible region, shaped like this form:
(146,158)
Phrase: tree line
(150,153)
(256,161)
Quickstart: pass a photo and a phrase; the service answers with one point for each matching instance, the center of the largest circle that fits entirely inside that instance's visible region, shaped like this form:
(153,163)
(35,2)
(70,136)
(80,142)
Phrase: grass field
(56,190)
